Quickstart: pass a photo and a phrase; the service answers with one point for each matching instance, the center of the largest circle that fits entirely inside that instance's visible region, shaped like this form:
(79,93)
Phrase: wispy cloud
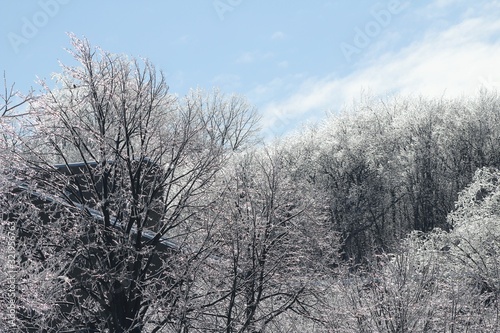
(246,58)
(227,82)
(453,62)
(253,56)
(183,40)
(283,64)
(278,35)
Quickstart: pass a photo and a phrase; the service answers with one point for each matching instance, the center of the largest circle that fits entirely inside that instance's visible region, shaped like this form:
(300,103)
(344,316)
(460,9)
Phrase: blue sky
(293,60)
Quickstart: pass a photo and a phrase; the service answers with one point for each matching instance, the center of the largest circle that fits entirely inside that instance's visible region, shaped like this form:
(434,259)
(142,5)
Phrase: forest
(179,217)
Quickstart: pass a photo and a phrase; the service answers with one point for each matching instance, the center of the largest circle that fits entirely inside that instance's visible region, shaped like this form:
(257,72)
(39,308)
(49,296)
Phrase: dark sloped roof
(79,168)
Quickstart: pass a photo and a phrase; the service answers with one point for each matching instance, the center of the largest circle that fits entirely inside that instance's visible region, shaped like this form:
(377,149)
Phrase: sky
(295,61)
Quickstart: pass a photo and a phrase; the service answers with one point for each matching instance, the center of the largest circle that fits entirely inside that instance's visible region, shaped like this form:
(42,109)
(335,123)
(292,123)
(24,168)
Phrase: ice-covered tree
(118,223)
(273,252)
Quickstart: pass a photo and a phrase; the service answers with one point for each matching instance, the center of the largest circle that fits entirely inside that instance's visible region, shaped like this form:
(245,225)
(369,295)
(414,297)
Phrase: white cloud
(246,58)
(453,62)
(445,3)
(442,8)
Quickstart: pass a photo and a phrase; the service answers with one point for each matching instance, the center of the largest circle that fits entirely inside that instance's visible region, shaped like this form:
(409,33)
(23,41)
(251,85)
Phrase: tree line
(177,218)
(391,167)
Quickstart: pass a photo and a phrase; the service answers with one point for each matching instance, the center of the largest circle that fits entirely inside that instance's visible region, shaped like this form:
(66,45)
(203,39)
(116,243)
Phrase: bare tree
(12,99)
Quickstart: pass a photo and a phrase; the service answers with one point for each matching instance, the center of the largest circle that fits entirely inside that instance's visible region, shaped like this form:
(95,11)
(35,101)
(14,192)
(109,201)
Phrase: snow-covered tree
(475,239)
